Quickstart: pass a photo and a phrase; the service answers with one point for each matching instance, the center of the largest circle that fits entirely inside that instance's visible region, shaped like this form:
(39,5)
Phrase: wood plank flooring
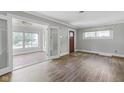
(22,60)
(76,67)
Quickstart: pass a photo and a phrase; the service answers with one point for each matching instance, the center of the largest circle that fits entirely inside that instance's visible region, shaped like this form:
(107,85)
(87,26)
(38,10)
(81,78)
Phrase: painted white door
(5,45)
(53,42)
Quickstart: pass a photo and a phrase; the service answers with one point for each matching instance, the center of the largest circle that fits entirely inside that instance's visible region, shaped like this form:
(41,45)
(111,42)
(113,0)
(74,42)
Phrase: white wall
(103,45)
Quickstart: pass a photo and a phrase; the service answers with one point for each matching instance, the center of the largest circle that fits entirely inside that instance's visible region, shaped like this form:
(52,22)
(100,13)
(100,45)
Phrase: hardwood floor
(22,60)
(76,67)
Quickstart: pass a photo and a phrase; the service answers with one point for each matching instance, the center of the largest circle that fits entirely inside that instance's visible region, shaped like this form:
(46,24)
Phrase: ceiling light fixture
(26,23)
(81,11)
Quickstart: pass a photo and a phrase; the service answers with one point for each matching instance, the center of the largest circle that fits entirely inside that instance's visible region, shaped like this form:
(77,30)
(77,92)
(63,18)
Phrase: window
(35,40)
(31,40)
(103,34)
(17,40)
(106,34)
(71,34)
(89,34)
(25,40)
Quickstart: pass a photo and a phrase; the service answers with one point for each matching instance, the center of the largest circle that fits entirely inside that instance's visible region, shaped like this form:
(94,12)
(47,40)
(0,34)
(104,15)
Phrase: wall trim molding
(103,25)
(101,53)
(49,18)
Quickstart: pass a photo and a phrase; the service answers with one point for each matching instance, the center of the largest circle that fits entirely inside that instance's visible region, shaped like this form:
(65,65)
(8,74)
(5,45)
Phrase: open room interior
(29,43)
(62,46)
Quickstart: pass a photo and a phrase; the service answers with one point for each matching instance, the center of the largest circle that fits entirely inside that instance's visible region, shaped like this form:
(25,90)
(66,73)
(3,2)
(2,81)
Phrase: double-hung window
(25,40)
(18,40)
(31,40)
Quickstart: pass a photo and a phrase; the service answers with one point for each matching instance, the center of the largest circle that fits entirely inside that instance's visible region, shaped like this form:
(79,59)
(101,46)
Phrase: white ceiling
(85,19)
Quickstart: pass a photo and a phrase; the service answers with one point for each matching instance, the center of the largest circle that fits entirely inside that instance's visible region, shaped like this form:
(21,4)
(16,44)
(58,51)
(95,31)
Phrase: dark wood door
(71,41)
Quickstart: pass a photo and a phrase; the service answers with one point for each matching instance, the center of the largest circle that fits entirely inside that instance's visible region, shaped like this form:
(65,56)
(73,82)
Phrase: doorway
(29,42)
(71,41)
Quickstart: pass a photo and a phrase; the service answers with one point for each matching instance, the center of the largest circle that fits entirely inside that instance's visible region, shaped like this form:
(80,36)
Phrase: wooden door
(71,41)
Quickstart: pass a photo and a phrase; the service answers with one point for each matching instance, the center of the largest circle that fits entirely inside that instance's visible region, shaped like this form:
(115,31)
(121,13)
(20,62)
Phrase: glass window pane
(17,40)
(34,40)
(71,34)
(89,34)
(31,40)
(28,40)
(103,33)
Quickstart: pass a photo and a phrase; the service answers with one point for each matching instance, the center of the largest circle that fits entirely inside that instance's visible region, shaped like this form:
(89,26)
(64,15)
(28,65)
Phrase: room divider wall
(5,45)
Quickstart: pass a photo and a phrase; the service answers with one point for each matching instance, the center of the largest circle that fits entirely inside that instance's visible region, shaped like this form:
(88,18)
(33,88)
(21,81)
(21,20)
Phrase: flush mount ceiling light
(25,23)
(81,11)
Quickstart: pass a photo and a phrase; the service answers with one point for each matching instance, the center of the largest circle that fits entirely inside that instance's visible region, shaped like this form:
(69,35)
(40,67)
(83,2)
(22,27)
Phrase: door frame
(53,57)
(75,41)
(9,67)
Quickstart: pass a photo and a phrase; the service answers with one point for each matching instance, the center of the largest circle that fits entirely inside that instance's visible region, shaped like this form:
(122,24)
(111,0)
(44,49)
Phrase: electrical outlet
(116,51)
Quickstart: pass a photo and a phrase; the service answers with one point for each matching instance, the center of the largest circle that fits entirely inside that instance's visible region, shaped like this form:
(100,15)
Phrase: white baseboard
(26,52)
(102,53)
(62,54)
(119,55)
